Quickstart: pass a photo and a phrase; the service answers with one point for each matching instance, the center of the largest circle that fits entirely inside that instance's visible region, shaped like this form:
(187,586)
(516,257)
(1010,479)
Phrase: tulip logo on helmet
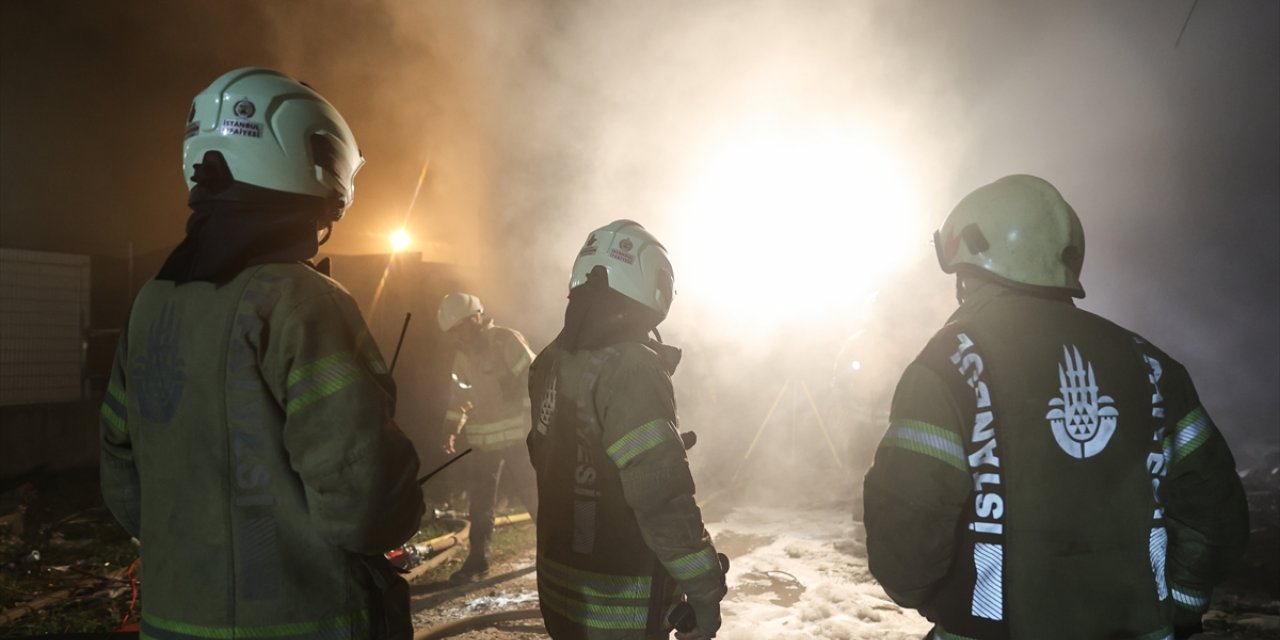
(588,249)
(1082,421)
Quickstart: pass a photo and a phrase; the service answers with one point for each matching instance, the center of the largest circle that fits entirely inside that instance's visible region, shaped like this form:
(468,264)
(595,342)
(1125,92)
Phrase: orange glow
(400,241)
(775,217)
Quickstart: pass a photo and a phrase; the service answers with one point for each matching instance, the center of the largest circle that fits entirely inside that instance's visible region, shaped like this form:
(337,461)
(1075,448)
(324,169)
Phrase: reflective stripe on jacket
(619,534)
(1048,474)
(248,442)
(493,376)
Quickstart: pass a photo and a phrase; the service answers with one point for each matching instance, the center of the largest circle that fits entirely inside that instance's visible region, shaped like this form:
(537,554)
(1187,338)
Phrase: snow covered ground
(795,574)
(802,574)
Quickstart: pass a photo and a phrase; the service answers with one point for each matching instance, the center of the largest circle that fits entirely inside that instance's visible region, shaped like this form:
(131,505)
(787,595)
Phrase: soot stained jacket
(1048,474)
(619,533)
(494,373)
(248,442)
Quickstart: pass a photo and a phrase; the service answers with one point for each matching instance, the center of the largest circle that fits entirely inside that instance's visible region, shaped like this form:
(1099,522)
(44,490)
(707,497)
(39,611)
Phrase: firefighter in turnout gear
(619,534)
(1046,473)
(247,433)
(489,406)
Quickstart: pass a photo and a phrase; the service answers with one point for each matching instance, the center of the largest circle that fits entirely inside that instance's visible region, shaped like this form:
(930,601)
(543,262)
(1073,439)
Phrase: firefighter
(489,406)
(247,433)
(1046,473)
(619,533)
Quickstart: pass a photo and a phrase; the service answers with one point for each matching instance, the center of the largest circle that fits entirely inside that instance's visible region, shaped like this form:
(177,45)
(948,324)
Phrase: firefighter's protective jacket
(619,533)
(248,442)
(491,375)
(1048,474)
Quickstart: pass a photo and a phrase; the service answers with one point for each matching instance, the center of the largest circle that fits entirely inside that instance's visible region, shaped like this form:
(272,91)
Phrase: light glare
(777,224)
(400,240)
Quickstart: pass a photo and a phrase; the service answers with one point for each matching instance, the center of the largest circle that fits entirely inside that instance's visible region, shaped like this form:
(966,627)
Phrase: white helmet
(273,132)
(635,261)
(455,308)
(1018,229)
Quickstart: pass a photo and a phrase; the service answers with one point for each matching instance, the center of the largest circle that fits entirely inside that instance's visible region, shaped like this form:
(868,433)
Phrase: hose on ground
(462,625)
(447,545)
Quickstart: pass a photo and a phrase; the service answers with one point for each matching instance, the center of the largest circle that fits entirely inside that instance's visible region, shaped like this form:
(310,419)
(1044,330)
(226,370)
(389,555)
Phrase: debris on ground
(798,572)
(65,561)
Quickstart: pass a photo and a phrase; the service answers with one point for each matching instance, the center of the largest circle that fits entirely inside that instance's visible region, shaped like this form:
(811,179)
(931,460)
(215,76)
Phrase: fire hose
(462,625)
(444,546)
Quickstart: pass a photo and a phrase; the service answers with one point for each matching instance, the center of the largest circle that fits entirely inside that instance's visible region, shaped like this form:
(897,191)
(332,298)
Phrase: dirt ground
(786,582)
(511,586)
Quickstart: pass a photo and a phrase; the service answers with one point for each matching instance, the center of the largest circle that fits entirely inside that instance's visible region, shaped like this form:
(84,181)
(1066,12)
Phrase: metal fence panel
(44,312)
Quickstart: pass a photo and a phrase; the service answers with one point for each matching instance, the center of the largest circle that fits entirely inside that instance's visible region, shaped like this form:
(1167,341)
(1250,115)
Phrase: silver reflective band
(1159,543)
(988,593)
(1190,599)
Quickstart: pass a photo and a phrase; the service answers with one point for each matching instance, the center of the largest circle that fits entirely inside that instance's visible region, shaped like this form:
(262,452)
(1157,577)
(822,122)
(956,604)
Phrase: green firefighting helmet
(455,308)
(635,261)
(1018,229)
(273,132)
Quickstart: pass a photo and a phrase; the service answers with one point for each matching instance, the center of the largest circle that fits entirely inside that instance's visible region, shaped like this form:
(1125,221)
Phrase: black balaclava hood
(598,316)
(234,225)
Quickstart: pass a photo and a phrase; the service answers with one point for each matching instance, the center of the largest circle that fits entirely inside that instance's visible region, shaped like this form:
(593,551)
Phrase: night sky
(540,121)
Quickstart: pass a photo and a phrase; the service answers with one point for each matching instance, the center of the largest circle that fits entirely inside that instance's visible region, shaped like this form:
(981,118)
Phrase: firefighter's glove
(688,439)
(451,444)
(707,615)
(706,610)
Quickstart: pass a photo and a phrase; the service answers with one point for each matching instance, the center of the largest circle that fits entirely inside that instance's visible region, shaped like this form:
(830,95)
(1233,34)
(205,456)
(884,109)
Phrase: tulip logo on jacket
(160,371)
(1082,420)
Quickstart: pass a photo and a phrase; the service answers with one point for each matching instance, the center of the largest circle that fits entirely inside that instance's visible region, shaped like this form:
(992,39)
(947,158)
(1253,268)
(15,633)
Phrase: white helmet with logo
(1018,229)
(455,308)
(635,261)
(273,132)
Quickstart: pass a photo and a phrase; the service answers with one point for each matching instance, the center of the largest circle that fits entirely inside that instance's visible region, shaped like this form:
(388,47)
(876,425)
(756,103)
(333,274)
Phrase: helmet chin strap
(328,233)
(656,335)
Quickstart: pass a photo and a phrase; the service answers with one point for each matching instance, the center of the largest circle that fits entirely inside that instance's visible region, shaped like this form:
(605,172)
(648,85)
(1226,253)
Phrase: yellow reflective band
(693,565)
(490,428)
(337,628)
(640,440)
(596,616)
(590,583)
(114,409)
(319,380)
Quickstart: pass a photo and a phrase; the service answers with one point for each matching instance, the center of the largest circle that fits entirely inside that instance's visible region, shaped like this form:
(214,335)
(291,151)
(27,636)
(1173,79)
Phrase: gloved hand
(451,444)
(706,612)
(708,617)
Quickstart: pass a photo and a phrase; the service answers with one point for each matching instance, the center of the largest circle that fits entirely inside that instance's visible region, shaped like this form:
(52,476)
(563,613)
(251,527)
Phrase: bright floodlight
(779,223)
(399,240)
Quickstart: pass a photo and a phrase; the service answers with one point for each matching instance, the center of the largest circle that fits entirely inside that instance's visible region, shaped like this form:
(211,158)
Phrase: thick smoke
(1168,154)
(540,121)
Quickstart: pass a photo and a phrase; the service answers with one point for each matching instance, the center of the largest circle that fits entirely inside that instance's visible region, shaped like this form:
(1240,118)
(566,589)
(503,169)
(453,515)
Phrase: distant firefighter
(490,408)
(619,534)
(1046,473)
(247,433)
